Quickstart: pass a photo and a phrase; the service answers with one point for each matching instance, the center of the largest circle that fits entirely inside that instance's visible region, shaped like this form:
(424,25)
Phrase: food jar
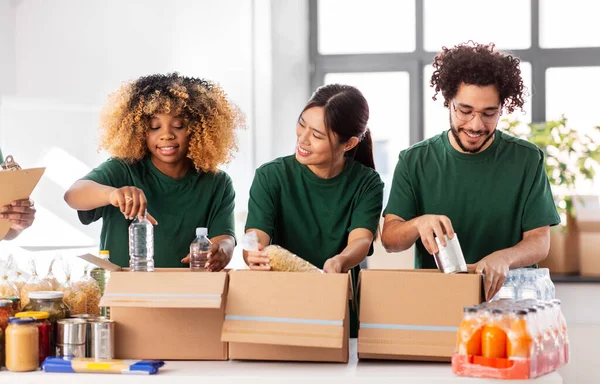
(22,345)
(46,335)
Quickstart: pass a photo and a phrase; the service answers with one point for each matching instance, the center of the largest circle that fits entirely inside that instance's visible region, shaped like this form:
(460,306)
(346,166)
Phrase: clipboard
(16,185)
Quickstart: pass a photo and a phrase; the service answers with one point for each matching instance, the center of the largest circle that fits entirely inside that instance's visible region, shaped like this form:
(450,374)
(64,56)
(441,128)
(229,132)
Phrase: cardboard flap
(413,312)
(16,185)
(99,262)
(166,288)
(286,308)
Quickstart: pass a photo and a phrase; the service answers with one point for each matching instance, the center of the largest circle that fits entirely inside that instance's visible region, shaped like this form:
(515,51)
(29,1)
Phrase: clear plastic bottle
(508,290)
(529,289)
(199,250)
(141,245)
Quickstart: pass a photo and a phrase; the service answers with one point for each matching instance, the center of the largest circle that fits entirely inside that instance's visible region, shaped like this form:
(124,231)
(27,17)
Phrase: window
(506,23)
(356,26)
(568,24)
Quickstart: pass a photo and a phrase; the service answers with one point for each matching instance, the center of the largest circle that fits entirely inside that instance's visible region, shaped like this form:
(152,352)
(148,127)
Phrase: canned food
(70,350)
(450,258)
(102,339)
(71,331)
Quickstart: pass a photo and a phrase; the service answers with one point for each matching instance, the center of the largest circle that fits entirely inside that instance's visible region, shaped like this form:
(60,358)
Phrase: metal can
(71,331)
(70,350)
(450,258)
(102,339)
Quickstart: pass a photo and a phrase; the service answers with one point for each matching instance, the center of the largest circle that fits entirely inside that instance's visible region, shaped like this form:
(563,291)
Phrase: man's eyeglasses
(488,117)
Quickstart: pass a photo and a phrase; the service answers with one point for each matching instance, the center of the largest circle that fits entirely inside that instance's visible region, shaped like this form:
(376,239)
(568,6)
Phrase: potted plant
(572,159)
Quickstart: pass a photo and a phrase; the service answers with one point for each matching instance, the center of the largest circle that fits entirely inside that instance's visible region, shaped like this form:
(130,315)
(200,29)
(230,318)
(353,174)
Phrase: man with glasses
(473,180)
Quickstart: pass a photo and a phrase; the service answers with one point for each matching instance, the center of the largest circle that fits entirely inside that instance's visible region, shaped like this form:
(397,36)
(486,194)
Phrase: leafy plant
(571,157)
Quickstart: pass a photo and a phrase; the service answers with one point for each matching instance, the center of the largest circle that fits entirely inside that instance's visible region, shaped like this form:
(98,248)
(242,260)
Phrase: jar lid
(41,295)
(5,303)
(35,314)
(14,299)
(21,320)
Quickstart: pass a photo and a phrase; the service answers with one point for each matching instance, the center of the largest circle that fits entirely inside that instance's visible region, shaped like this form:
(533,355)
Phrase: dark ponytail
(346,115)
(363,152)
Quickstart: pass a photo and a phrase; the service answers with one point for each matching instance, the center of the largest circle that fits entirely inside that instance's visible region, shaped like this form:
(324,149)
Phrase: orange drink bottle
(493,336)
(519,336)
(469,333)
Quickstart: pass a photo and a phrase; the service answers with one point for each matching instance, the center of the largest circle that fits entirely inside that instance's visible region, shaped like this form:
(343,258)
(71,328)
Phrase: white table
(246,372)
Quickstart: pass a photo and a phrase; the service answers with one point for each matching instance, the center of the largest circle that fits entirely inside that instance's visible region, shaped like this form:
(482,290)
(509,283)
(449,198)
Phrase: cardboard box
(413,314)
(168,314)
(287,316)
(563,257)
(587,210)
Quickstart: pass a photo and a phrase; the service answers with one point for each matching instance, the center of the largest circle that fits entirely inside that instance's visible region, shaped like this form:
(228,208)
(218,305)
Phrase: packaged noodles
(90,287)
(75,299)
(34,284)
(280,259)
(50,277)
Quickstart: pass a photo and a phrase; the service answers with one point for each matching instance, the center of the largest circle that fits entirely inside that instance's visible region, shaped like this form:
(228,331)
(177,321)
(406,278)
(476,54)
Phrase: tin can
(71,332)
(450,258)
(102,339)
(70,350)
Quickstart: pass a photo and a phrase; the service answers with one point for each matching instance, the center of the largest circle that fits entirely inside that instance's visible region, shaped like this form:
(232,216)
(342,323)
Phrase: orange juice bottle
(469,333)
(493,336)
(519,338)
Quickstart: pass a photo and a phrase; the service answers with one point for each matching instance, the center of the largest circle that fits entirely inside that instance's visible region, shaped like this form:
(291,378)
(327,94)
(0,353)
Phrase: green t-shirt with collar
(179,205)
(312,217)
(490,197)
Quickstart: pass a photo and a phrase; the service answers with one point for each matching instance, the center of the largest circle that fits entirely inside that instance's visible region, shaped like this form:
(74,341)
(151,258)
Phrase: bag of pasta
(75,299)
(7,287)
(50,277)
(280,259)
(15,275)
(34,284)
(90,287)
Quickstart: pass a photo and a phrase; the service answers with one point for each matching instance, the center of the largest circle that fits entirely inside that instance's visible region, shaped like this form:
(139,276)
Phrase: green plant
(571,157)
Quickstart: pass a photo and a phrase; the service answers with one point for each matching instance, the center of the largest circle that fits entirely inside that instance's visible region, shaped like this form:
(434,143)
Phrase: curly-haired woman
(473,179)
(167,135)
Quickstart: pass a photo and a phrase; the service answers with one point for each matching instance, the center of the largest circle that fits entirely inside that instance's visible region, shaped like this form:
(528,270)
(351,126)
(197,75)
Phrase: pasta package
(280,259)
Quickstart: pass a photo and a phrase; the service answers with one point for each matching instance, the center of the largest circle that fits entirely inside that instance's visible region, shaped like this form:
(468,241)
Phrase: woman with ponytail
(323,203)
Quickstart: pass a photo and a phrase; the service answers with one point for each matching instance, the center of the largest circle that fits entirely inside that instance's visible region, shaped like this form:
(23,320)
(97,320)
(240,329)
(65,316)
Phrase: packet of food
(50,276)
(15,276)
(75,299)
(34,284)
(7,287)
(280,259)
(90,287)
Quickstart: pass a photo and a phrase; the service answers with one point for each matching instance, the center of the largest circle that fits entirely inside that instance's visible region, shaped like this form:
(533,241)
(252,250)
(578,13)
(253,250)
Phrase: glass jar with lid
(48,301)
(46,338)
(22,345)
(6,312)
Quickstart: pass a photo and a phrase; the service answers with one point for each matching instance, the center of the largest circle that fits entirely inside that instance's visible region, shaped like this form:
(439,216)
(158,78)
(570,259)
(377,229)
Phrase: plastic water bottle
(509,288)
(141,246)
(199,250)
(529,288)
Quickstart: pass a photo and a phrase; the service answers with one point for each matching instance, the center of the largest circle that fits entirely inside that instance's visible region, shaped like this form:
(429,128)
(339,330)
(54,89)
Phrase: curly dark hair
(211,119)
(478,64)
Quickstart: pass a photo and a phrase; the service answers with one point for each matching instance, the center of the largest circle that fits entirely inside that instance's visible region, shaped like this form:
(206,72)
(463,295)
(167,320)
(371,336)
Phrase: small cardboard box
(587,210)
(168,314)
(563,257)
(413,314)
(287,316)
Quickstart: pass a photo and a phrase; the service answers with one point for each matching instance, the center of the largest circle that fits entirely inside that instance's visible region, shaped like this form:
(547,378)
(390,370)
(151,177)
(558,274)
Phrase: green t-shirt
(310,216)
(491,197)
(179,206)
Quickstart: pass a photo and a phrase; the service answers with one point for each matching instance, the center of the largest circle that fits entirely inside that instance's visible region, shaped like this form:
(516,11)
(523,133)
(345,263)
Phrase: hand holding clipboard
(16,184)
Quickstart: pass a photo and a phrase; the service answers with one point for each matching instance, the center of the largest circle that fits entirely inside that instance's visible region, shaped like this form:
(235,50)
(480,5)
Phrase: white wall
(7,46)
(61,58)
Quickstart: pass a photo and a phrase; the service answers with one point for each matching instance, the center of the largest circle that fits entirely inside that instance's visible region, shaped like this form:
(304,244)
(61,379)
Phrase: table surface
(249,372)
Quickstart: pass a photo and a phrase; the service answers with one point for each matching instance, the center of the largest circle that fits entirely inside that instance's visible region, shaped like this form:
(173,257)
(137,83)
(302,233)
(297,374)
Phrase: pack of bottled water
(527,283)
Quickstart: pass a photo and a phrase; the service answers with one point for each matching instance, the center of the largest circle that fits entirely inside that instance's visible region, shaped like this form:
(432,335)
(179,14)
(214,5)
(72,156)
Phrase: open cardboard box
(288,316)
(587,209)
(413,314)
(168,314)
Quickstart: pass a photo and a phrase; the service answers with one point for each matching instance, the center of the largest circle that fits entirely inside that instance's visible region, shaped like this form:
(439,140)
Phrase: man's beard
(455,132)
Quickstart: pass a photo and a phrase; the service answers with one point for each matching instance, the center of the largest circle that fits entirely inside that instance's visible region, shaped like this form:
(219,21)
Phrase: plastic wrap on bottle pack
(511,339)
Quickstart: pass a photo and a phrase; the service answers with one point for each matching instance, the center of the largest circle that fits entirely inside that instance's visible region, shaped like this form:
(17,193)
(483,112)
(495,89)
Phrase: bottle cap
(201,231)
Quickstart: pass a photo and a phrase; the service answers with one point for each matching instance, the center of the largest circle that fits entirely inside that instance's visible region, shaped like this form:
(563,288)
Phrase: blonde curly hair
(211,119)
